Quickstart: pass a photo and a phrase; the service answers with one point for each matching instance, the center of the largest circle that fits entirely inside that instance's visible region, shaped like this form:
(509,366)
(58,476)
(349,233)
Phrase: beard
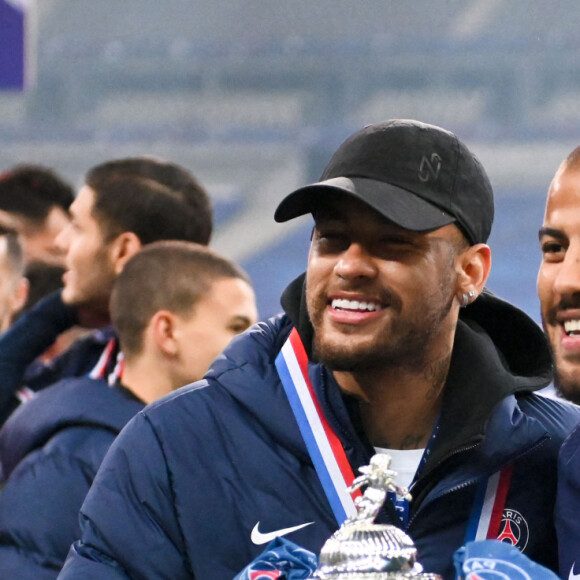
(568,387)
(566,372)
(91,289)
(402,343)
(567,380)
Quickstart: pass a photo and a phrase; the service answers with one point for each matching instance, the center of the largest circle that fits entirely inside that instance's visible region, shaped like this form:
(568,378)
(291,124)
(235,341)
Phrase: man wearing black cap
(389,343)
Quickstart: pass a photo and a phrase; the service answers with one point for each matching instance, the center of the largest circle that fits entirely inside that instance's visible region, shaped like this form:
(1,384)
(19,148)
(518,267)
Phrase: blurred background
(253,96)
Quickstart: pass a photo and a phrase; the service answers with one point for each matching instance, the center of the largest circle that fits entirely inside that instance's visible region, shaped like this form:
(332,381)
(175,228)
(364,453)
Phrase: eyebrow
(544,231)
(242,319)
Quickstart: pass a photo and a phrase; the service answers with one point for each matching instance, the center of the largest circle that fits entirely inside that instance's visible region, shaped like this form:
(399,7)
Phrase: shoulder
(570,451)
(69,455)
(75,401)
(558,416)
(77,445)
(63,415)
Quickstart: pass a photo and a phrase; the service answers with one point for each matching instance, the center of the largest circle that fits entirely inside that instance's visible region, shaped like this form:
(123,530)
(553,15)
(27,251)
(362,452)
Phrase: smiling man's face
(377,294)
(559,279)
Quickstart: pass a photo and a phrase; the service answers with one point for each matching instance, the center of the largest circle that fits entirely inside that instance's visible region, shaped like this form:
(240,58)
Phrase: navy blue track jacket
(50,449)
(192,475)
(568,507)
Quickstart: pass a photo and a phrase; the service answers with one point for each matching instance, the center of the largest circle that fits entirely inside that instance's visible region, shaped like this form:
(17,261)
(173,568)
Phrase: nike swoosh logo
(573,576)
(259,538)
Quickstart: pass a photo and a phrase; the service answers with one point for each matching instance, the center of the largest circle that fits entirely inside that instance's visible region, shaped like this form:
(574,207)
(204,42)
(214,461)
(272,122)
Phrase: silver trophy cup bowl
(363,550)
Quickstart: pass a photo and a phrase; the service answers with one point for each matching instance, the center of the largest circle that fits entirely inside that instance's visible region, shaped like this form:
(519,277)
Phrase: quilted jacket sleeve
(128,522)
(40,501)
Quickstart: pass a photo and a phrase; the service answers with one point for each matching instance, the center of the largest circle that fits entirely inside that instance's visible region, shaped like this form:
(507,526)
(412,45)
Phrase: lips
(567,339)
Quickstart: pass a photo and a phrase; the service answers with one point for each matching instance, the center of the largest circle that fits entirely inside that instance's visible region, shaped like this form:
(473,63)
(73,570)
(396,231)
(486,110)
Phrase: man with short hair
(124,205)
(559,293)
(389,344)
(175,306)
(13,284)
(34,200)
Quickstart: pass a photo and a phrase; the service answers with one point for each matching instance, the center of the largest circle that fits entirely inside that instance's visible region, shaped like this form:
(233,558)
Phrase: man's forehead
(563,200)
(83,202)
(565,183)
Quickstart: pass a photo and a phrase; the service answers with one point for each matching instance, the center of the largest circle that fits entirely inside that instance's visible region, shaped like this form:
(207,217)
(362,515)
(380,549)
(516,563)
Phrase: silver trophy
(363,550)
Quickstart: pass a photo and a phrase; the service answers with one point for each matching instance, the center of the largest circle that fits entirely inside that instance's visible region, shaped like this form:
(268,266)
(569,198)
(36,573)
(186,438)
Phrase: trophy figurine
(363,550)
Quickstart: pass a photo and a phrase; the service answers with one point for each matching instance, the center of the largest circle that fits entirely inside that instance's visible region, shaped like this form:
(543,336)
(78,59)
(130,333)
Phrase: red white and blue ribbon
(105,362)
(488,507)
(324,446)
(331,463)
(99,370)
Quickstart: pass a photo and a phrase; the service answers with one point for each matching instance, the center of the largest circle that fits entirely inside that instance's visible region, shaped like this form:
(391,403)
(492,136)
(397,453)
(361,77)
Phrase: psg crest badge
(514,529)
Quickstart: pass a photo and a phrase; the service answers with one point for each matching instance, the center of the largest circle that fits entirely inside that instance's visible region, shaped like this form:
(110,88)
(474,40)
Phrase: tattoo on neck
(437,374)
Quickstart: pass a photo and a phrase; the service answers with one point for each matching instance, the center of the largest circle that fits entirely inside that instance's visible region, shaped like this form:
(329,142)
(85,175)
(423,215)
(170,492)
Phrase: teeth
(342,304)
(572,326)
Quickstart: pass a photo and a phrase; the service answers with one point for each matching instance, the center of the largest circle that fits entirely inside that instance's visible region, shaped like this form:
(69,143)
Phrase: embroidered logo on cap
(429,168)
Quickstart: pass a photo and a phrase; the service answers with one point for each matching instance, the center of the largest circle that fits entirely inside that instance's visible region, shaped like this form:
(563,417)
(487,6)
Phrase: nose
(355,262)
(567,281)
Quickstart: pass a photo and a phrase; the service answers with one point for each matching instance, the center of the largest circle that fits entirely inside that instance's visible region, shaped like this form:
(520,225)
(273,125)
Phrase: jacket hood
(69,403)
(499,351)
(519,341)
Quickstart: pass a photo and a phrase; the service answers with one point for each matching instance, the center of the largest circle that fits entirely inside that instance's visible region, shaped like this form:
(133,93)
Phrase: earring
(467,298)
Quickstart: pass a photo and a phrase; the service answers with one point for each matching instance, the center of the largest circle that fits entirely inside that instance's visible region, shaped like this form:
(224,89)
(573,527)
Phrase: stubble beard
(568,387)
(93,295)
(402,344)
(566,383)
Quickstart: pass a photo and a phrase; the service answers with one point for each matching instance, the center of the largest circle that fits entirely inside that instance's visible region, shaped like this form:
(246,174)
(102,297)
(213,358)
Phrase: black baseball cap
(419,176)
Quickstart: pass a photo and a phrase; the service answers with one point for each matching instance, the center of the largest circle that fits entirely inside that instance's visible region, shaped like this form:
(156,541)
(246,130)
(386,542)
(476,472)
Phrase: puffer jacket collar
(487,367)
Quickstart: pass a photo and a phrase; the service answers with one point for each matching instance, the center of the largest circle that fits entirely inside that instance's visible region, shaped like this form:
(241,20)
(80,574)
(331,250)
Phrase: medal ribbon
(490,499)
(99,370)
(324,446)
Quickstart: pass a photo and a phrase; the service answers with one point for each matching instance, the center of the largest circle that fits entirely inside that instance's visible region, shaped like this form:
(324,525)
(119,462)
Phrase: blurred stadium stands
(254,95)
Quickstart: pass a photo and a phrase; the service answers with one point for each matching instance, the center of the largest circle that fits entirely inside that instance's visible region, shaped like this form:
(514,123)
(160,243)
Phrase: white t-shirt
(405,462)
